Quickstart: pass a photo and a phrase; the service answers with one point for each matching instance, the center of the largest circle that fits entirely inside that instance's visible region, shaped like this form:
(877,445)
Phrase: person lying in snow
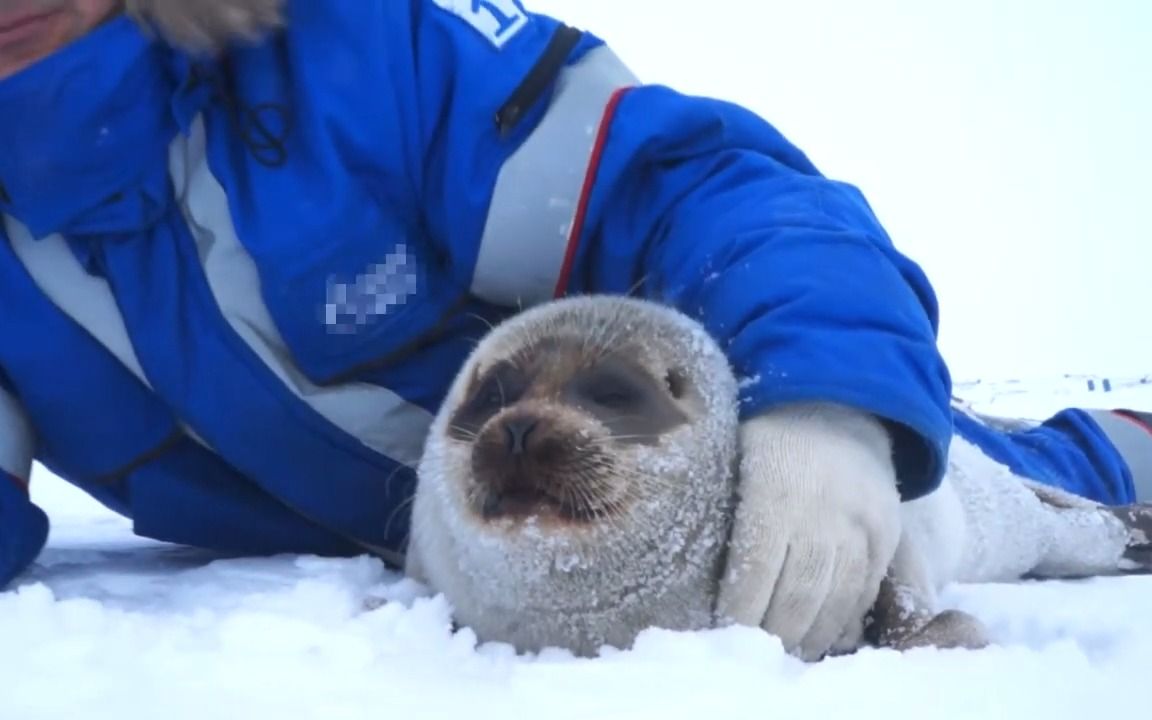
(247,243)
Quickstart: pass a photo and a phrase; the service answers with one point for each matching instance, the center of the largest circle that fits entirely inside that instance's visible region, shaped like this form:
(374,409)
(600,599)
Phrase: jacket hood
(206,26)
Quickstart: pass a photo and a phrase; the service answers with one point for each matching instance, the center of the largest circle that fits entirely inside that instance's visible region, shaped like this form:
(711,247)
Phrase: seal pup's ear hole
(677,382)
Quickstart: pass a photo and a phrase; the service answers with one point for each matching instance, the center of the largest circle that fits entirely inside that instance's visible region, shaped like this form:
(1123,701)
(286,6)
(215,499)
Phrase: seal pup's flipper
(1093,539)
(902,620)
(1137,520)
(905,615)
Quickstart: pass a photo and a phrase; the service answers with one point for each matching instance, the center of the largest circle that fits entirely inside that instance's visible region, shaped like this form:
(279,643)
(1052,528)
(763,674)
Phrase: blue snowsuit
(233,292)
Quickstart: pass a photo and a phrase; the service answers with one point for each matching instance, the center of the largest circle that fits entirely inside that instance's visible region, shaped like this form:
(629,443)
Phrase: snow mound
(107,625)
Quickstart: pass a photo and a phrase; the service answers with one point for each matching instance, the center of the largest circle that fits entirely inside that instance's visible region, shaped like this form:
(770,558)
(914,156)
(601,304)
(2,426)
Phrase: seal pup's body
(986,524)
(578,483)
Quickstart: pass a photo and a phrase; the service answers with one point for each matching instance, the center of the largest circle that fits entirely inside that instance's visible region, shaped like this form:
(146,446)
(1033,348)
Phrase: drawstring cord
(263,127)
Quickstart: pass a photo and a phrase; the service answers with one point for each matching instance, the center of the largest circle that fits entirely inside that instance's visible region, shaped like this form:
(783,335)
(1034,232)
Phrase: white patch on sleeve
(497,20)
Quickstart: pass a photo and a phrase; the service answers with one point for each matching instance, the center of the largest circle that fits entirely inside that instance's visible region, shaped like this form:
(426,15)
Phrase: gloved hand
(816,527)
(207,25)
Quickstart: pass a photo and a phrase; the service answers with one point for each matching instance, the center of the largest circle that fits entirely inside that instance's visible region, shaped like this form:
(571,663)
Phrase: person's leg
(1130,432)
(1071,451)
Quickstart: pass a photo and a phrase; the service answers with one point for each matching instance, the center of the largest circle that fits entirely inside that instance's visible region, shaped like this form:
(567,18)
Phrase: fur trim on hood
(206,26)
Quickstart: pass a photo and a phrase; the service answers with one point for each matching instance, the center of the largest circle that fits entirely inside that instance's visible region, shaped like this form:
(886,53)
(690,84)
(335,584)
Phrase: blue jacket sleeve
(702,204)
(690,201)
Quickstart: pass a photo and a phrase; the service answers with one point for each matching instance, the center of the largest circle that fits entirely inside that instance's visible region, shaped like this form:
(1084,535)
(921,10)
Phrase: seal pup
(578,487)
(577,484)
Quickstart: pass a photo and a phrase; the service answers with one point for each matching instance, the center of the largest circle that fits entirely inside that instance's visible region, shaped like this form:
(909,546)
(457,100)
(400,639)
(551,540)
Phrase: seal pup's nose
(516,432)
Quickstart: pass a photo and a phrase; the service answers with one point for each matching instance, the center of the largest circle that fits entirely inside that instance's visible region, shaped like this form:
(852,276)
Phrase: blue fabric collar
(84,135)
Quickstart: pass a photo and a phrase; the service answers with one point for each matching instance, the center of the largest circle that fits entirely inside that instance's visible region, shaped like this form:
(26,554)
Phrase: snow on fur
(514,581)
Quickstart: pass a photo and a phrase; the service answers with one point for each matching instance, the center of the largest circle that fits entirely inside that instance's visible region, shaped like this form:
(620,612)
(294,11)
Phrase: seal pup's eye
(628,398)
(498,388)
(490,395)
(503,386)
(611,390)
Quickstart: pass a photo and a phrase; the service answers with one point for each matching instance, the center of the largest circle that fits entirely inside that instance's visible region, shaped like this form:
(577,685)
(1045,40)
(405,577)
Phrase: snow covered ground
(1004,146)
(112,626)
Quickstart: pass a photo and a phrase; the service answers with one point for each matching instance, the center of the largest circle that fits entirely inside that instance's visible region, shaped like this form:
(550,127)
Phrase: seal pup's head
(577,482)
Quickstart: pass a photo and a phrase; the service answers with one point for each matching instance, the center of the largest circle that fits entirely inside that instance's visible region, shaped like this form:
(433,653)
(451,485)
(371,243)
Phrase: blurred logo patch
(381,289)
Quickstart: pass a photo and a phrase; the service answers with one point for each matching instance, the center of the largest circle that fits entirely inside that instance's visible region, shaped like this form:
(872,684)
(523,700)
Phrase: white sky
(1004,143)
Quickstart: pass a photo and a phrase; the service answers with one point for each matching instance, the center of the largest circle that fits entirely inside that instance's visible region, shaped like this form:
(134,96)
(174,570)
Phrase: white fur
(986,524)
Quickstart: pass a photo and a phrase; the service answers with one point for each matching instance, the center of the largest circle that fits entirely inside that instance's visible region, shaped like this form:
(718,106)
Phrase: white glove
(816,527)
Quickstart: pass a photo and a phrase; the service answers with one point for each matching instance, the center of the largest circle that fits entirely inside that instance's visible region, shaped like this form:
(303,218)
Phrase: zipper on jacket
(542,74)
